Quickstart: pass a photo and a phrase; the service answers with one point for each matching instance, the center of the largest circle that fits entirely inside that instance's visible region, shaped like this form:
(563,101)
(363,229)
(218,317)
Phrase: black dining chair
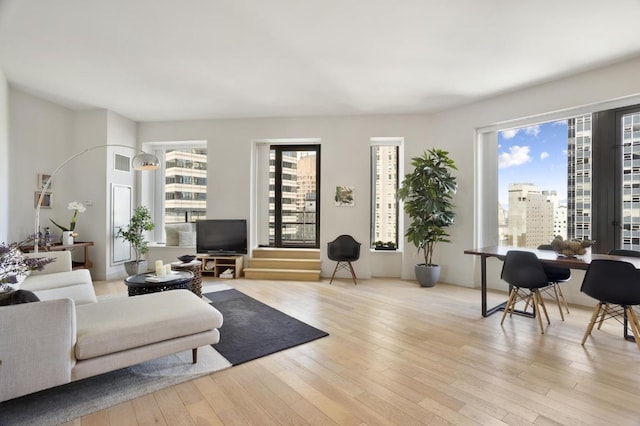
(344,250)
(524,273)
(556,275)
(616,286)
(627,253)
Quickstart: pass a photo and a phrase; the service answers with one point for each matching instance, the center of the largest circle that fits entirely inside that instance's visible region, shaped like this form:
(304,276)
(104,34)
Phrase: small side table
(194,266)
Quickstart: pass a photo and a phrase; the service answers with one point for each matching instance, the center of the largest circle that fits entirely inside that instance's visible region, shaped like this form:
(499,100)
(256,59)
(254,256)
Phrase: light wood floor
(399,354)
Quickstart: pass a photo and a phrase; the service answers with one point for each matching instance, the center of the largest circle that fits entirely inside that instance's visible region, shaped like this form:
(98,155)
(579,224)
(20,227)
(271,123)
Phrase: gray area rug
(73,400)
(252,329)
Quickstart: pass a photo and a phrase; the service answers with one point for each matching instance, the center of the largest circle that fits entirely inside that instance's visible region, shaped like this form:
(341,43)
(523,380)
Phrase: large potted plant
(139,223)
(427,193)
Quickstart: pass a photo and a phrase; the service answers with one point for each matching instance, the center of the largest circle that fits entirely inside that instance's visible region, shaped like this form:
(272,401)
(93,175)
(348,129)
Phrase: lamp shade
(145,161)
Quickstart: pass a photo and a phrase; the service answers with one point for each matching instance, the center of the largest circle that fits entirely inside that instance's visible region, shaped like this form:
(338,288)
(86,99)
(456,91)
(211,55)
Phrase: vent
(122,163)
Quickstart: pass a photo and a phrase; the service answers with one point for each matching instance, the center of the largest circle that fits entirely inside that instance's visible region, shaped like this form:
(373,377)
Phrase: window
(602,199)
(544,181)
(180,185)
(385,161)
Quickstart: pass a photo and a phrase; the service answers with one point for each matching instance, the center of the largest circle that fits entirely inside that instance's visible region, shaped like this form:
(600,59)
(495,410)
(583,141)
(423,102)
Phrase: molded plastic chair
(556,275)
(344,250)
(613,282)
(523,270)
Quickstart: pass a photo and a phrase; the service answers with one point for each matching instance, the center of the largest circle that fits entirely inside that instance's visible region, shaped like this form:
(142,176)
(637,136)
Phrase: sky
(533,154)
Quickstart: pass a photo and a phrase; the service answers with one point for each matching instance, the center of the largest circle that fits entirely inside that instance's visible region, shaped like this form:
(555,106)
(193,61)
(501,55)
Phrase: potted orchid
(68,234)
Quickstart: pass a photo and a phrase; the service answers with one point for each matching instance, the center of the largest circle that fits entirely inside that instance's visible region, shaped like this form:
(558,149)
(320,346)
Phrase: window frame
(606,171)
(159,180)
(398,143)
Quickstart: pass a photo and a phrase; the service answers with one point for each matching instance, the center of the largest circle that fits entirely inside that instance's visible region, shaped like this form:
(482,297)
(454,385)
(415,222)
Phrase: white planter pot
(67,238)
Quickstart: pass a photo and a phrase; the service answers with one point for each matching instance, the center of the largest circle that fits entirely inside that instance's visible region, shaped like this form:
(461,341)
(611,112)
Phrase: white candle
(158,264)
(160,270)
(167,269)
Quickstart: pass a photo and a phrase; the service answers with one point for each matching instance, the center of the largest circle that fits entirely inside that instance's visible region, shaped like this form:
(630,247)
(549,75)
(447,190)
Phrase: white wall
(345,143)
(4,158)
(40,138)
(345,157)
(456,129)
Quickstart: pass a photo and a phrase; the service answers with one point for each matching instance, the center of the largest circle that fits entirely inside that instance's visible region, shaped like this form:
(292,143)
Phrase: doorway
(294,202)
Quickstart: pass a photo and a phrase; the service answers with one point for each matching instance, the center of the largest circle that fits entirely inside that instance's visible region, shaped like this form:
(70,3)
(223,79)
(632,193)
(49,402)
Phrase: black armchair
(617,283)
(344,250)
(523,271)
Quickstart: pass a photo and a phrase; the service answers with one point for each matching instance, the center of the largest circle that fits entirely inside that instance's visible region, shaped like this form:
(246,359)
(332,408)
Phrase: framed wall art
(47,200)
(42,180)
(344,196)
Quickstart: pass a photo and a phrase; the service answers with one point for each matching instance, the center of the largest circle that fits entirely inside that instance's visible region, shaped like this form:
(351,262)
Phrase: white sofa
(69,335)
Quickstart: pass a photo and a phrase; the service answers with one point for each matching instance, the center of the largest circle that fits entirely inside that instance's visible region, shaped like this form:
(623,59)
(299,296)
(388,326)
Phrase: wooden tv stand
(216,265)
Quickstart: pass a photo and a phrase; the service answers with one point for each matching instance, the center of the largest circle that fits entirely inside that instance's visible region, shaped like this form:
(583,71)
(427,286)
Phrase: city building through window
(544,180)
(385,160)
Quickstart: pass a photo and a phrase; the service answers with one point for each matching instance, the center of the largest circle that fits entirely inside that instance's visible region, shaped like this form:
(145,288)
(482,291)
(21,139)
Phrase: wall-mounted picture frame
(47,200)
(344,196)
(42,181)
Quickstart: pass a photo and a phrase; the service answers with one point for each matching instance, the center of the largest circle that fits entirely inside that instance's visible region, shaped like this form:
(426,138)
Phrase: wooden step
(282,274)
(285,253)
(277,263)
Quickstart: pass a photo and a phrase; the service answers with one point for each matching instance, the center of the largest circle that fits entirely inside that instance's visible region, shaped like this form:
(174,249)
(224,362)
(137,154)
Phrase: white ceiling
(173,60)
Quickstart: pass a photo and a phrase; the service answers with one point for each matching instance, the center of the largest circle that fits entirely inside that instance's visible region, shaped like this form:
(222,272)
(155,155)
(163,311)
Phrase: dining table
(546,256)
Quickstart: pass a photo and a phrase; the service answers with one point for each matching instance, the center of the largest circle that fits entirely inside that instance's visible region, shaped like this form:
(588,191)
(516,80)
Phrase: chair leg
(353,274)
(334,272)
(635,326)
(592,322)
(544,307)
(536,308)
(564,301)
(555,291)
(194,355)
(604,313)
(509,302)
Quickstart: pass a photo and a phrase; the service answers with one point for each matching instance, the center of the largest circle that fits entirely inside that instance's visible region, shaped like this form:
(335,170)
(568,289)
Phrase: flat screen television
(221,236)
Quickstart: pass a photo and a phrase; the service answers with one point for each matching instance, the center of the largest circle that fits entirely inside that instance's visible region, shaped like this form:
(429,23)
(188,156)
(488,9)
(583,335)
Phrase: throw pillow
(187,239)
(171,232)
(17,297)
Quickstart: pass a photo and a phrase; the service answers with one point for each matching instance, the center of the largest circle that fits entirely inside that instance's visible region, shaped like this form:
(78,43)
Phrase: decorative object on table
(139,223)
(389,245)
(427,193)
(141,162)
(570,248)
(68,234)
(344,196)
(46,200)
(186,258)
(14,266)
(47,237)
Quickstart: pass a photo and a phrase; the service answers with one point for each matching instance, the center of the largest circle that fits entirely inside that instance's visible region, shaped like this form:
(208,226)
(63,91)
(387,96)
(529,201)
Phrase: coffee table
(138,284)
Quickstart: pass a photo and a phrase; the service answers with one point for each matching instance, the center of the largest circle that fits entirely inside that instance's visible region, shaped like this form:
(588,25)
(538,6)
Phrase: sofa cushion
(76,285)
(124,323)
(171,231)
(186,239)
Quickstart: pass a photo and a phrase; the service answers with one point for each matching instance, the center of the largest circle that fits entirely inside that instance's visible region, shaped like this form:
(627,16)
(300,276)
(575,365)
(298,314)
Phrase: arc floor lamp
(143,161)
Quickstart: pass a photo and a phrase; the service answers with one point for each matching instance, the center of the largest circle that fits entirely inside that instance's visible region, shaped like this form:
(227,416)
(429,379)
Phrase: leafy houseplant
(139,223)
(427,193)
